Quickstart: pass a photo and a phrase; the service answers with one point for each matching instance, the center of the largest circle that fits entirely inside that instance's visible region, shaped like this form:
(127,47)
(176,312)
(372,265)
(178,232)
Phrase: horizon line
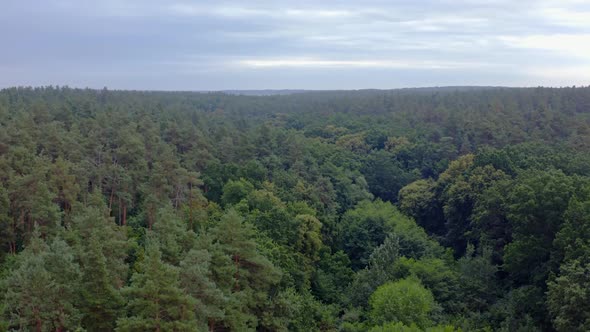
(233,90)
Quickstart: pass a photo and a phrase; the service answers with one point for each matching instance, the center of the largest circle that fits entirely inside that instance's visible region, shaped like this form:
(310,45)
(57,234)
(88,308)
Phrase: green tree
(309,238)
(101,303)
(367,226)
(253,274)
(94,221)
(41,290)
(172,235)
(155,299)
(568,297)
(386,175)
(378,272)
(7,231)
(573,239)
(32,202)
(332,276)
(438,276)
(400,327)
(196,280)
(418,199)
(405,301)
(235,191)
(536,207)
(364,229)
(479,287)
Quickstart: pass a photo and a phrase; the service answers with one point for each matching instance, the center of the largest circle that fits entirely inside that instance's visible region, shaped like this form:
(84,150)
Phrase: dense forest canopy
(455,209)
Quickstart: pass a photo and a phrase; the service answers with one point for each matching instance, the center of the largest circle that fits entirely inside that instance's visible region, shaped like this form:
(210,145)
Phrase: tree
(366,227)
(460,195)
(332,276)
(292,310)
(405,301)
(309,238)
(385,175)
(235,191)
(270,215)
(378,272)
(535,211)
(172,235)
(573,239)
(438,276)
(32,202)
(63,179)
(196,280)
(418,199)
(94,221)
(101,303)
(155,300)
(7,232)
(400,327)
(253,274)
(41,290)
(568,297)
(477,279)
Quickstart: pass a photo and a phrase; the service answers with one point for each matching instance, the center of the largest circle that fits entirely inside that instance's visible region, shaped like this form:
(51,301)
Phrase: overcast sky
(213,45)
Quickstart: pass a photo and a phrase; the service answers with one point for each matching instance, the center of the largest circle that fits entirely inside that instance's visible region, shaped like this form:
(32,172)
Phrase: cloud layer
(199,45)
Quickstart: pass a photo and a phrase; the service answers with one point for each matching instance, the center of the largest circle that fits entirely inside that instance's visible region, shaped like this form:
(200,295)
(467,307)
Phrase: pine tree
(101,302)
(155,300)
(253,274)
(7,233)
(93,221)
(172,235)
(28,288)
(195,278)
(42,288)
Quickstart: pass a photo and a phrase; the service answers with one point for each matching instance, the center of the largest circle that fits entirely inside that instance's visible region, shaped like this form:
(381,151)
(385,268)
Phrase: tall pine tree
(41,289)
(101,303)
(155,300)
(253,274)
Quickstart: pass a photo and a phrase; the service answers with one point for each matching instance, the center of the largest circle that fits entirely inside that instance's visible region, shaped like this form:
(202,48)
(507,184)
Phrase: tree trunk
(13,242)
(120,212)
(237,274)
(190,206)
(29,224)
(150,218)
(111,198)
(177,198)
(124,214)
(157,316)
(60,327)
(38,322)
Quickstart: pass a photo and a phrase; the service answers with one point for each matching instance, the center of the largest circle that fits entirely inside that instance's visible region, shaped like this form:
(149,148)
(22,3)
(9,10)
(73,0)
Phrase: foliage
(136,210)
(405,301)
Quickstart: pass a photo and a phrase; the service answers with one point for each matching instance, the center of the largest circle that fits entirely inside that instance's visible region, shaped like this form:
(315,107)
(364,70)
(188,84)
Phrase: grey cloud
(153,44)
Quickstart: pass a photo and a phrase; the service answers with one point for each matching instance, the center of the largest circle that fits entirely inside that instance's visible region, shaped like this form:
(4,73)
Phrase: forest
(438,209)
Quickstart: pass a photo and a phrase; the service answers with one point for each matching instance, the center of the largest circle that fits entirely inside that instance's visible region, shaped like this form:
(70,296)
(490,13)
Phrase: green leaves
(155,300)
(405,301)
(41,290)
(101,303)
(568,297)
(271,238)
